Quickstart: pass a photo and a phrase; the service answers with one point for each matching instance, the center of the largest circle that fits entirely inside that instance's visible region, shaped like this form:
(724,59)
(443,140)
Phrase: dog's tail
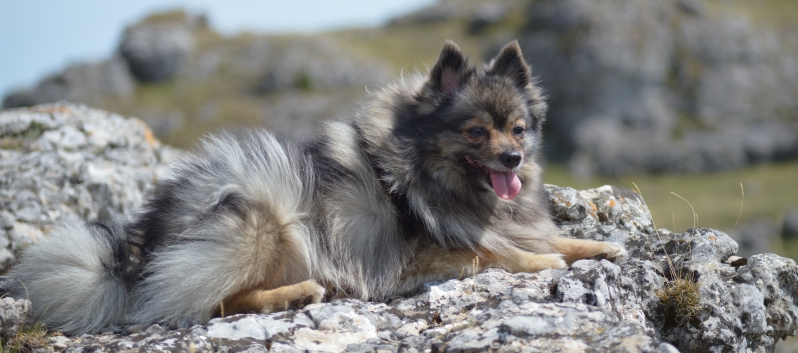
(74,277)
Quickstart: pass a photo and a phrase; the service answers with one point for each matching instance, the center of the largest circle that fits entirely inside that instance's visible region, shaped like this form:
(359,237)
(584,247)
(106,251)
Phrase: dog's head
(478,129)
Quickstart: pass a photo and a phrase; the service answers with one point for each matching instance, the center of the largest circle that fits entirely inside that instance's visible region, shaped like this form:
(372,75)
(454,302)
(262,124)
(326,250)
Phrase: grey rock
(251,327)
(88,83)
(89,161)
(485,15)
(755,236)
(316,64)
(155,49)
(664,86)
(790,228)
(66,162)
(14,315)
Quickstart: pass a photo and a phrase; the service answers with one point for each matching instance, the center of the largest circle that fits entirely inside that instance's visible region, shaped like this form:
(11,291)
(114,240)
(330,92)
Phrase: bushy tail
(73,278)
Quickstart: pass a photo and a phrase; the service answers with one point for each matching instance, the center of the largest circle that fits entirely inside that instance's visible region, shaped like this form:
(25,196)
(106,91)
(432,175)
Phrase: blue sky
(38,37)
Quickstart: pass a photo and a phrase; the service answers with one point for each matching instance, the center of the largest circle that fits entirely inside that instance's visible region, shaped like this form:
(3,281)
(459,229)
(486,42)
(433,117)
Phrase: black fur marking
(153,227)
(233,203)
(409,221)
(123,267)
(451,70)
(510,63)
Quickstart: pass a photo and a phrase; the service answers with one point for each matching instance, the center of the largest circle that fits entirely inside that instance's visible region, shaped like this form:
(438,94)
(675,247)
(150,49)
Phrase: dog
(436,169)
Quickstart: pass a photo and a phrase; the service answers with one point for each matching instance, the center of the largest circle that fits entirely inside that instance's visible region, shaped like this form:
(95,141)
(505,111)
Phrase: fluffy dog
(435,170)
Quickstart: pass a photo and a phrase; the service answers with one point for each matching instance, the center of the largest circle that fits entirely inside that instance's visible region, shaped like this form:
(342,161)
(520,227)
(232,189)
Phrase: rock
(485,15)
(156,47)
(755,236)
(662,87)
(18,99)
(790,228)
(65,162)
(14,315)
(89,83)
(742,304)
(316,64)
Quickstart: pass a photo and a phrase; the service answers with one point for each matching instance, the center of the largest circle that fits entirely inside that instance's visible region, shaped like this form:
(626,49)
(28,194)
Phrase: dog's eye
(477,131)
(518,130)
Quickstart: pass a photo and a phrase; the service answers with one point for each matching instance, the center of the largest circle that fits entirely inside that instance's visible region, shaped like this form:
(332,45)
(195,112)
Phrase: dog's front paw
(535,262)
(291,296)
(612,252)
(308,292)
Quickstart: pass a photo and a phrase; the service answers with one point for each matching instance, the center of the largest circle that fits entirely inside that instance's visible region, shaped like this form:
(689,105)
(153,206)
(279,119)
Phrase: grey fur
(346,210)
(211,254)
(67,276)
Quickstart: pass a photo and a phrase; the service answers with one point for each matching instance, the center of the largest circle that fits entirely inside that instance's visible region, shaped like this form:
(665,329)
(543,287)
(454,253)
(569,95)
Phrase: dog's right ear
(510,63)
(451,69)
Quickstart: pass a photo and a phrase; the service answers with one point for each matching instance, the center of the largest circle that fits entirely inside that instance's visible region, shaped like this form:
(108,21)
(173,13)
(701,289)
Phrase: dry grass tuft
(681,300)
(27,339)
(680,296)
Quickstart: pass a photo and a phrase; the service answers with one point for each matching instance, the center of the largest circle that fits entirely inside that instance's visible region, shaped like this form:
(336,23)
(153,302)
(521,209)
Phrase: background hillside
(685,96)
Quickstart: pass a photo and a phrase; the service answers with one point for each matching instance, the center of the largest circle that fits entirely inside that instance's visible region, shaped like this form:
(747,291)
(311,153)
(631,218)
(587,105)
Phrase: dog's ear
(510,63)
(451,69)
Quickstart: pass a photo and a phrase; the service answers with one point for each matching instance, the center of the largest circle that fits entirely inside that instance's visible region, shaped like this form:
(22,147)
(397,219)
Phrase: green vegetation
(779,13)
(27,339)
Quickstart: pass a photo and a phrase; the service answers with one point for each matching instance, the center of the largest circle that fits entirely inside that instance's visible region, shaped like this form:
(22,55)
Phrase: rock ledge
(65,161)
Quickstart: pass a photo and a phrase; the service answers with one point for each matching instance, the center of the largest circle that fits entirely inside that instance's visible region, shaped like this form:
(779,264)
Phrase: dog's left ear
(451,69)
(510,63)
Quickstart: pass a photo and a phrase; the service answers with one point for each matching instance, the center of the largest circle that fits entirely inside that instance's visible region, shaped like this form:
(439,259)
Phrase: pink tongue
(505,184)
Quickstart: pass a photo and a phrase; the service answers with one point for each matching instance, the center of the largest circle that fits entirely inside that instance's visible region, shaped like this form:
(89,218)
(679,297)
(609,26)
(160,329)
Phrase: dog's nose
(511,159)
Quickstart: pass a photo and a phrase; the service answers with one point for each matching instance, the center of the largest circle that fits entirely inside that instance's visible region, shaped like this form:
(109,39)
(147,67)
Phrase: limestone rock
(65,161)
(664,86)
(790,227)
(14,315)
(89,83)
(156,47)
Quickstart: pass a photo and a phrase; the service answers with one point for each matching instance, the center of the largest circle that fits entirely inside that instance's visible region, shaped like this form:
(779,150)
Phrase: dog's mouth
(505,184)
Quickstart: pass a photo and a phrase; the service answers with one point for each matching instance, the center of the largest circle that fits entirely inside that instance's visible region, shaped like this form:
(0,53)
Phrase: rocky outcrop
(89,83)
(14,315)
(156,48)
(184,79)
(790,228)
(65,162)
(79,163)
(665,86)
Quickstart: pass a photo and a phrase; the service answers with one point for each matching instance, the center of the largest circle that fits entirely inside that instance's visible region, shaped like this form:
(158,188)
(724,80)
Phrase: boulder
(315,64)
(790,228)
(662,87)
(675,292)
(156,48)
(62,162)
(90,83)
(755,236)
(14,315)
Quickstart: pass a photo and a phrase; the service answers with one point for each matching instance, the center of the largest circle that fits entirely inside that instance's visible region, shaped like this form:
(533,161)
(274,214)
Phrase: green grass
(769,190)
(778,13)
(27,339)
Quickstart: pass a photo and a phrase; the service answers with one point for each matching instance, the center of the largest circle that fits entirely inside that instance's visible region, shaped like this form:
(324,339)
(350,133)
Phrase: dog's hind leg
(577,249)
(434,263)
(272,300)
